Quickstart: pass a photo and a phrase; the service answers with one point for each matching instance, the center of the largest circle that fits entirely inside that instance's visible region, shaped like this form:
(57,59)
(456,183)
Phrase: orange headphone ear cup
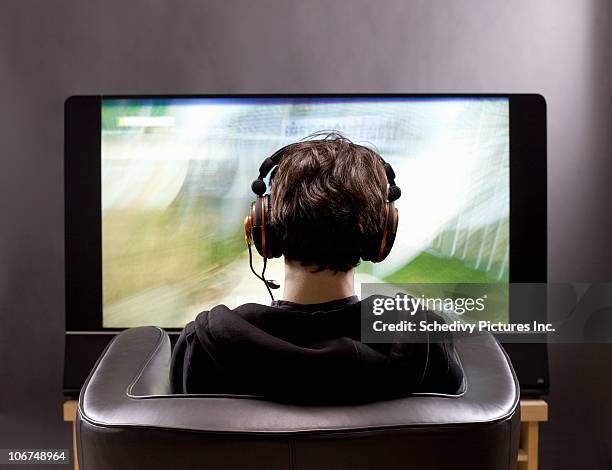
(389,232)
(260,228)
(248,225)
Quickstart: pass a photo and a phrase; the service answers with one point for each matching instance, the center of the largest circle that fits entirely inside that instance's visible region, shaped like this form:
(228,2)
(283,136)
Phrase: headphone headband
(259,186)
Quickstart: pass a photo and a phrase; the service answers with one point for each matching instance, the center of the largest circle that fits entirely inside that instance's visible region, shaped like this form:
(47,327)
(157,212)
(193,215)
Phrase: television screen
(175,187)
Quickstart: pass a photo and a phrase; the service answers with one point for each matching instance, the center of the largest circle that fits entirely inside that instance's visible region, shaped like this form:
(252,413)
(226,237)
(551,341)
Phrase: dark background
(50,50)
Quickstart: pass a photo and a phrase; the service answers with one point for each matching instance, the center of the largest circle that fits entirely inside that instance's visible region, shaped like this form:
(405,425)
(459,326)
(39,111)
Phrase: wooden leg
(533,412)
(70,411)
(528,453)
(74,446)
(532,445)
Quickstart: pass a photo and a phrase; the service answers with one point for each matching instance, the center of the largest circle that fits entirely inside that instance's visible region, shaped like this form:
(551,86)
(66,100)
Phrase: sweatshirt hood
(307,353)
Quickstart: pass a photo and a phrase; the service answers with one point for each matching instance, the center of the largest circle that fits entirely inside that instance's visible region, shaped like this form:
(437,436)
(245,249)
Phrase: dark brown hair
(328,199)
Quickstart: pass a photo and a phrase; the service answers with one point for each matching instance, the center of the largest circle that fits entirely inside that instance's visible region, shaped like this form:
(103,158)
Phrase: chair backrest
(128,419)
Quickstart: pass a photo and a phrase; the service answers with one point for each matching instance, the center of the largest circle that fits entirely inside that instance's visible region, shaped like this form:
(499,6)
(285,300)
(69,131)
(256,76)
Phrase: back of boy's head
(328,200)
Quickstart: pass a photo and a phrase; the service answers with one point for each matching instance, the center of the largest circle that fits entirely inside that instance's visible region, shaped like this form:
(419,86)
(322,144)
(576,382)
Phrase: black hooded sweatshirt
(305,354)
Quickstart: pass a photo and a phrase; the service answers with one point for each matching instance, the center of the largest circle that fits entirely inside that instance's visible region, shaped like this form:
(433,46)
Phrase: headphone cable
(263,272)
(266,282)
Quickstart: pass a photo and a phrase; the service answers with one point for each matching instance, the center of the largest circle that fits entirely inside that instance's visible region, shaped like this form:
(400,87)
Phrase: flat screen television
(156,189)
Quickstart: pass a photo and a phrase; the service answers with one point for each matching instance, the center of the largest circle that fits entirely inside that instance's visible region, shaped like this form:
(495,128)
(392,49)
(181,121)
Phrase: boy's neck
(302,286)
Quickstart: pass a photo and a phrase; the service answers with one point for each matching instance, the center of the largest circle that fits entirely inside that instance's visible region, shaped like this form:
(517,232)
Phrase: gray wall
(50,50)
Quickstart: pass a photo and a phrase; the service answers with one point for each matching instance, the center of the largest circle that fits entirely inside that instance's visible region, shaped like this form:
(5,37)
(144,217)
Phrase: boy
(328,205)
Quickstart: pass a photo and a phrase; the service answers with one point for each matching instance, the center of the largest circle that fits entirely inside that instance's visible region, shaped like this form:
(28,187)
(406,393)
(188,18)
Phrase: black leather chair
(127,418)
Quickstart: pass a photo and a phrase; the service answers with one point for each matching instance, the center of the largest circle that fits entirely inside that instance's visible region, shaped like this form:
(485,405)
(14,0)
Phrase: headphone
(258,228)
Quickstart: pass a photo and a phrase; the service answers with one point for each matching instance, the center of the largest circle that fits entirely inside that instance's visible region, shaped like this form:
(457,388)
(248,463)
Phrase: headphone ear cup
(262,232)
(248,225)
(391,230)
(257,217)
(388,235)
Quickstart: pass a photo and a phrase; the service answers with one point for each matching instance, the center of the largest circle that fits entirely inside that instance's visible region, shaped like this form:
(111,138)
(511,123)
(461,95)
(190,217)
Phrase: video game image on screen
(176,176)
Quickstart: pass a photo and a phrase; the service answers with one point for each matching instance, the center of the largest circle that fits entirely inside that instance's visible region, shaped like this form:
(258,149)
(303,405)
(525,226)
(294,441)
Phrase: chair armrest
(136,363)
